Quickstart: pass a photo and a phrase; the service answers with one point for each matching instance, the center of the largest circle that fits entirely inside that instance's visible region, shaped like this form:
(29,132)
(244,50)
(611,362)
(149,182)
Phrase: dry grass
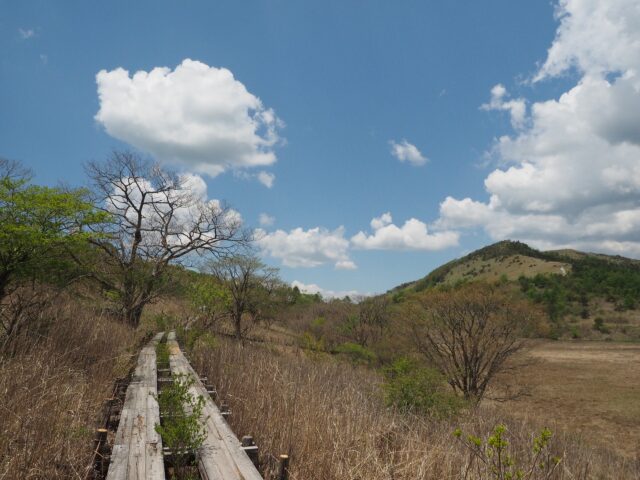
(512,266)
(593,388)
(332,420)
(53,390)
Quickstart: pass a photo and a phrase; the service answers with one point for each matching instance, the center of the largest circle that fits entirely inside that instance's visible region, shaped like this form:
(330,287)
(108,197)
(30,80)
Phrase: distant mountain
(510,260)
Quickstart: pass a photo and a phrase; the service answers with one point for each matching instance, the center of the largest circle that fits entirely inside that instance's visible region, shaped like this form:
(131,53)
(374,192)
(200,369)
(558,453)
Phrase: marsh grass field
(331,419)
(591,388)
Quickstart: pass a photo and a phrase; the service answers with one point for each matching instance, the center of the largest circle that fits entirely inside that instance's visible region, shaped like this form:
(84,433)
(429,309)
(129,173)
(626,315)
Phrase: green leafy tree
(39,228)
(211,299)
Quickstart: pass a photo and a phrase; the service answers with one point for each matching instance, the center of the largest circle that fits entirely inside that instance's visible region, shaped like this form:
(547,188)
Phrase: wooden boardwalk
(137,450)
(221,457)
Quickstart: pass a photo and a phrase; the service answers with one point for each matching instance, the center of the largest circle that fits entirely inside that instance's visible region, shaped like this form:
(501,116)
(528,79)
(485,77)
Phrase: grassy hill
(512,260)
(585,295)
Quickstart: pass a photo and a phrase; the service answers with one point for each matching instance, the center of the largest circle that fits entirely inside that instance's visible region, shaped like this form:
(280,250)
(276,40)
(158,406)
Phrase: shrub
(575,333)
(319,322)
(356,353)
(629,302)
(411,387)
(197,333)
(309,342)
(598,324)
(164,322)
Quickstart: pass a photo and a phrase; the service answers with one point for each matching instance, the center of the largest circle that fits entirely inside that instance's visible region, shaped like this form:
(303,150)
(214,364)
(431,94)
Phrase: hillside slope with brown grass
(53,388)
(507,258)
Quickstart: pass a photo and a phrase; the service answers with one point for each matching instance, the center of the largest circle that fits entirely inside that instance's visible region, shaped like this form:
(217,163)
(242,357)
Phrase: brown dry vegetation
(52,391)
(511,266)
(620,325)
(332,419)
(587,387)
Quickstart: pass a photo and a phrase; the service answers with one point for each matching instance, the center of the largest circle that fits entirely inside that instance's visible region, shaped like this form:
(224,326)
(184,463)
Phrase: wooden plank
(221,456)
(137,450)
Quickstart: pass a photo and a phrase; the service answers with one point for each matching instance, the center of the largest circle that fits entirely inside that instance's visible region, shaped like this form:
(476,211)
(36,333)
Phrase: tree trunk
(4,283)
(237,323)
(134,302)
(133,314)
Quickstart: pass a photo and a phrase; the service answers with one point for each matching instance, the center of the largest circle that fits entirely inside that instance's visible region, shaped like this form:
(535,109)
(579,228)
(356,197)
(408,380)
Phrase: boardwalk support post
(250,448)
(101,436)
(224,410)
(283,473)
(211,390)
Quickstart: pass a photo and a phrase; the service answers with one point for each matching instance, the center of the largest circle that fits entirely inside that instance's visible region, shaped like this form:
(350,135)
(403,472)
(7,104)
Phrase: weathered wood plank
(221,456)
(137,450)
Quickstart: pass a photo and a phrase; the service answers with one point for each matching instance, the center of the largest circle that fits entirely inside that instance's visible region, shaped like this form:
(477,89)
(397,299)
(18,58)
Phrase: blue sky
(345,80)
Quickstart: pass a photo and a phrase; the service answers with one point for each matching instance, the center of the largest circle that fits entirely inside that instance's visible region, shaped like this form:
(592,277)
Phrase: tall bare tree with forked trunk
(156,219)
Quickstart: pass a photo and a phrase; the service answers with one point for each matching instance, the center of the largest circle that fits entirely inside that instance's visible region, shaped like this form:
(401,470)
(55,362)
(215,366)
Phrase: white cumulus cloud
(266,220)
(572,174)
(407,152)
(346,265)
(307,248)
(594,37)
(517,108)
(266,179)
(413,235)
(196,116)
(312,289)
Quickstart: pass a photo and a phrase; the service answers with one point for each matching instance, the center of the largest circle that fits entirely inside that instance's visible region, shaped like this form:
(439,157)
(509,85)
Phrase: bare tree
(156,219)
(374,316)
(251,286)
(469,333)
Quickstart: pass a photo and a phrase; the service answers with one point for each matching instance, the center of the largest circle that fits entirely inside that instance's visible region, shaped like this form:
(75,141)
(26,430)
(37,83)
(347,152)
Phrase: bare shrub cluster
(331,418)
(52,391)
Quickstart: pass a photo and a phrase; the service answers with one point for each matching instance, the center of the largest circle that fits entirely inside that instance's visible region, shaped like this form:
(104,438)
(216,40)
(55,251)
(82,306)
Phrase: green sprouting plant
(162,353)
(492,459)
(182,428)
